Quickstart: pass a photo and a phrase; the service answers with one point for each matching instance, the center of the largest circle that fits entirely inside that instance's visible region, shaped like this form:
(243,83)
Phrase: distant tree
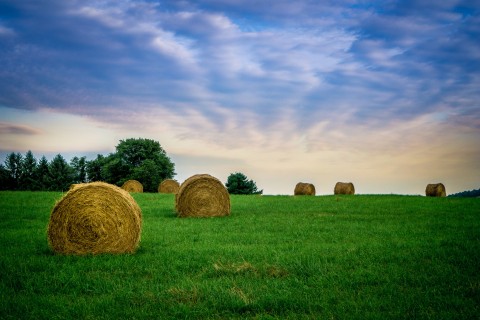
(114,170)
(60,173)
(140,159)
(4,177)
(79,166)
(466,194)
(28,179)
(42,175)
(93,168)
(148,174)
(13,164)
(238,183)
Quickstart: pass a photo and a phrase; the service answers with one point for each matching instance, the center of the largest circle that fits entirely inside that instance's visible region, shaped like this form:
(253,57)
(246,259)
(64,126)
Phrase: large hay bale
(344,188)
(95,218)
(132,186)
(169,186)
(304,189)
(202,195)
(435,190)
(74,185)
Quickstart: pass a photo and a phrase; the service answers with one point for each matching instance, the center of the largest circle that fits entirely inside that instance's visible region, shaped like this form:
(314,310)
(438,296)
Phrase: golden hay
(304,189)
(435,190)
(202,195)
(132,186)
(74,185)
(95,218)
(344,188)
(169,186)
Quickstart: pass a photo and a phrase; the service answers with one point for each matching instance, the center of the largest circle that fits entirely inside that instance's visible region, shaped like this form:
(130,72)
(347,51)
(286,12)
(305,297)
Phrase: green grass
(275,257)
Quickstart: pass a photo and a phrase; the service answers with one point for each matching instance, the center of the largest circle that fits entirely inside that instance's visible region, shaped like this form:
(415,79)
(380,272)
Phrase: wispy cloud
(331,82)
(12,128)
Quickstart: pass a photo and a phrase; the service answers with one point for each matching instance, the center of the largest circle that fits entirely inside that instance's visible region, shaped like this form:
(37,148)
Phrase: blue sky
(385,94)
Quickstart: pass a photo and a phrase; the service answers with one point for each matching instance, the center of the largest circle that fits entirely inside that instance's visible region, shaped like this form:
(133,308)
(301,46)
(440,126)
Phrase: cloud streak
(9,128)
(329,82)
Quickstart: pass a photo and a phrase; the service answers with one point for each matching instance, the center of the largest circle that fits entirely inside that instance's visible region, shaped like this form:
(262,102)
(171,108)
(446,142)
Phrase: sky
(384,94)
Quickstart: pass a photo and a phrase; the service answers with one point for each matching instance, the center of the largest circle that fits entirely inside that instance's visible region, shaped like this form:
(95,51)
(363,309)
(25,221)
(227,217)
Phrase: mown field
(275,257)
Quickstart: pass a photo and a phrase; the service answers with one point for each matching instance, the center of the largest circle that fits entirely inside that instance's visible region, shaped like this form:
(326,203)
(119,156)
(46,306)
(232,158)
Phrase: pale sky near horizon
(385,94)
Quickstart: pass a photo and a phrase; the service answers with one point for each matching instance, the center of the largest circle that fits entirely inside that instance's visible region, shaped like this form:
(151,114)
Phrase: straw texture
(169,186)
(95,218)
(304,189)
(132,186)
(202,196)
(344,188)
(435,190)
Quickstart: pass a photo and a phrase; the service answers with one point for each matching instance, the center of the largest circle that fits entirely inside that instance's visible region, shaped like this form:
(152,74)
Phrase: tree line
(134,159)
(466,194)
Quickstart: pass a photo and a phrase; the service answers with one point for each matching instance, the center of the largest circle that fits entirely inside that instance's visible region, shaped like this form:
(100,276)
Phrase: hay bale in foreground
(74,185)
(202,195)
(344,188)
(132,186)
(435,190)
(169,186)
(95,218)
(304,189)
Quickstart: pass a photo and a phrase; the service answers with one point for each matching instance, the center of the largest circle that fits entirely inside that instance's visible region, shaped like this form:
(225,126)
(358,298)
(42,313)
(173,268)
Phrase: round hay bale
(95,218)
(202,195)
(132,186)
(169,186)
(74,185)
(344,188)
(304,189)
(435,190)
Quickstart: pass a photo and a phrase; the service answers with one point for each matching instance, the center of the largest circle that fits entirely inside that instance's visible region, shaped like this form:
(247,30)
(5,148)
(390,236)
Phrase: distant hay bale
(95,218)
(132,186)
(344,188)
(435,190)
(202,195)
(304,189)
(169,186)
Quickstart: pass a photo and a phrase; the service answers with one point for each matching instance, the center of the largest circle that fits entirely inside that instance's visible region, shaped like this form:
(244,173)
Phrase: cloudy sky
(385,94)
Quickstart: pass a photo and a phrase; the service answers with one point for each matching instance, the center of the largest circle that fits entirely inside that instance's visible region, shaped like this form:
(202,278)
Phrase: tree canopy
(135,159)
(138,159)
(238,183)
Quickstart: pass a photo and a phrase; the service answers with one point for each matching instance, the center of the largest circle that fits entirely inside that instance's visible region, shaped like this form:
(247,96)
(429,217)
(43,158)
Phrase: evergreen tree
(43,175)
(238,183)
(60,173)
(4,177)
(28,179)
(13,164)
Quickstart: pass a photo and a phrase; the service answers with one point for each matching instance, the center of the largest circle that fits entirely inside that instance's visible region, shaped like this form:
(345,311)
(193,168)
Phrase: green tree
(13,164)
(238,183)
(42,174)
(28,179)
(114,170)
(94,168)
(140,159)
(148,174)
(60,173)
(79,166)
(4,177)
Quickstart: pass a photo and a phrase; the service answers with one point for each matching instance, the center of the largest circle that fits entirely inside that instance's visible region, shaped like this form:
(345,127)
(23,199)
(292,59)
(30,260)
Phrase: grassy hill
(275,257)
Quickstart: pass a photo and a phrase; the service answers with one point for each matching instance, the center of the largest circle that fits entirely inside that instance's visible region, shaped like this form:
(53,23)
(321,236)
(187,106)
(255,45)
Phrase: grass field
(275,257)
